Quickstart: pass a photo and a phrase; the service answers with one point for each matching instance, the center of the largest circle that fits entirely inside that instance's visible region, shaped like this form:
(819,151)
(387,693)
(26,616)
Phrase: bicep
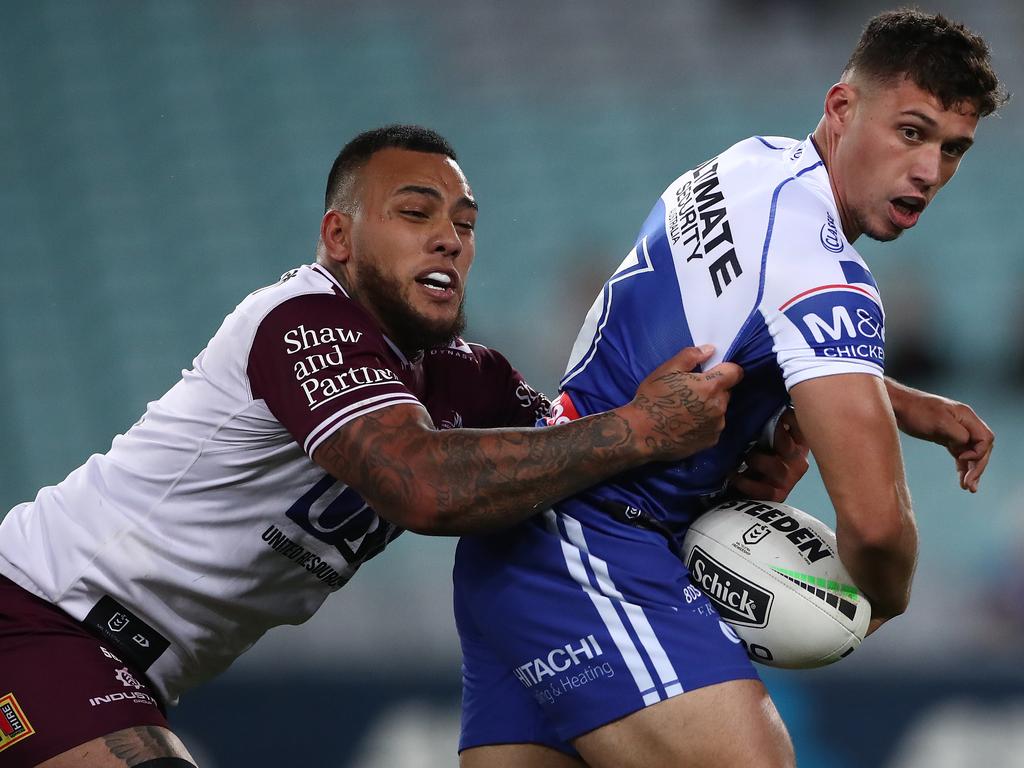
(373,454)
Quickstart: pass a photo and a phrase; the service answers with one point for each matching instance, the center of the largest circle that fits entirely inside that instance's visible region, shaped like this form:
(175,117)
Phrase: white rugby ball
(773,572)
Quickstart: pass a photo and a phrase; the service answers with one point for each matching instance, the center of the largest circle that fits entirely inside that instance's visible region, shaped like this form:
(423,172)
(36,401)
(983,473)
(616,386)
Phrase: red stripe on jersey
(826,288)
(562,410)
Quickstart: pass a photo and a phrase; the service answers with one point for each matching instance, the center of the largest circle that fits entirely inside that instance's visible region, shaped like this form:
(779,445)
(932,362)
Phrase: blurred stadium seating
(162,159)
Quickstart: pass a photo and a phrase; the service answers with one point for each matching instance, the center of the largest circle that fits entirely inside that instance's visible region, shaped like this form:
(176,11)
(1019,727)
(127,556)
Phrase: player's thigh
(517,756)
(719,726)
(62,688)
(126,748)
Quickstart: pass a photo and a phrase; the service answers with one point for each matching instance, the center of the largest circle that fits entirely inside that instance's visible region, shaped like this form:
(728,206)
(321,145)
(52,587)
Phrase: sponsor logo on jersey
(337,515)
(698,221)
(455,422)
(737,600)
(558,660)
(303,338)
(14,726)
(562,411)
(829,235)
(807,541)
(843,322)
(136,697)
(329,358)
(127,679)
(322,390)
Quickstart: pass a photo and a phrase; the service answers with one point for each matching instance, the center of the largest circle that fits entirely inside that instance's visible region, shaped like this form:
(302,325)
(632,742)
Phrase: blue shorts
(572,620)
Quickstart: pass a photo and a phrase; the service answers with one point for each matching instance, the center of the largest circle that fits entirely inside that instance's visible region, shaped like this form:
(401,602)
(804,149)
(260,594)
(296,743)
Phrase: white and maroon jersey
(744,252)
(208,523)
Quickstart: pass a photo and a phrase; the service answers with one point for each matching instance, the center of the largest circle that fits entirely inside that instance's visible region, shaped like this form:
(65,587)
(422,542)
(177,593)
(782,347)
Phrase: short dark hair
(940,56)
(355,154)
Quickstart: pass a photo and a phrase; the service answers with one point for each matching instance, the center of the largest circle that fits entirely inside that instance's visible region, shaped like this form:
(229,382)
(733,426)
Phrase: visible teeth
(439,277)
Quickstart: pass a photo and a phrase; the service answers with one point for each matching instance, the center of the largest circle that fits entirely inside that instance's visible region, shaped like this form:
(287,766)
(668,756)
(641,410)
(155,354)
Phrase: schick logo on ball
(737,600)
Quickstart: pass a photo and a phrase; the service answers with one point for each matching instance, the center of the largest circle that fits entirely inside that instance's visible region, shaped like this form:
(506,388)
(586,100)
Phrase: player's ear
(336,235)
(840,103)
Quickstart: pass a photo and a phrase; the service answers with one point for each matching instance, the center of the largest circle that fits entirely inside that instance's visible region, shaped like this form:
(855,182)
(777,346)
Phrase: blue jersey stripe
(765,142)
(764,250)
(855,273)
(639,347)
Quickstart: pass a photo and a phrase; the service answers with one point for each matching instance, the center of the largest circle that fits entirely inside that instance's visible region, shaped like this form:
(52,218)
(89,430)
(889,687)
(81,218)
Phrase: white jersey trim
(354,411)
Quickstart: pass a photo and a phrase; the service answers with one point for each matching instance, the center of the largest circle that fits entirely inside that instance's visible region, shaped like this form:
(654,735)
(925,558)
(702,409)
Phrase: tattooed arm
(460,481)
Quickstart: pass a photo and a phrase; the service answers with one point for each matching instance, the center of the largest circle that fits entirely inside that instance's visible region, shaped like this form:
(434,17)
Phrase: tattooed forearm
(470,480)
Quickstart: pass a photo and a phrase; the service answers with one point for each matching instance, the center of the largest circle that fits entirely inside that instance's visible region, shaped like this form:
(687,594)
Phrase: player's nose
(445,239)
(926,171)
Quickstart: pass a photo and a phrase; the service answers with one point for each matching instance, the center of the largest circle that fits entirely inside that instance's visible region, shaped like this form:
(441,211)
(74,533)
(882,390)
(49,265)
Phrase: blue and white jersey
(744,252)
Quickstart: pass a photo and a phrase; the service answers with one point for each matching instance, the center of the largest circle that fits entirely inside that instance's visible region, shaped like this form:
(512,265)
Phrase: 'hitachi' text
(558,660)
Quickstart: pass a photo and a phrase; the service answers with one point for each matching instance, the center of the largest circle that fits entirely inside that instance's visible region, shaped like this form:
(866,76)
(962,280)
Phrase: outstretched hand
(948,423)
(682,412)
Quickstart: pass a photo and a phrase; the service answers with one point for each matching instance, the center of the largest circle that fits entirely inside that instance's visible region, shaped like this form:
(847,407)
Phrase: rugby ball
(773,572)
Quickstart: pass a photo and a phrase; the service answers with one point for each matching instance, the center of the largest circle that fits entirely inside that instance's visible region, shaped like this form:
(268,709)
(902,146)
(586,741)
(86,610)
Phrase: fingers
(769,477)
(727,374)
(978,445)
(789,441)
(975,469)
(689,358)
(789,421)
(751,488)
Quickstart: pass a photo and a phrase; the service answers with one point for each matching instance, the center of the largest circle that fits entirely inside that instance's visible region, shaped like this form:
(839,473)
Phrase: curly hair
(940,56)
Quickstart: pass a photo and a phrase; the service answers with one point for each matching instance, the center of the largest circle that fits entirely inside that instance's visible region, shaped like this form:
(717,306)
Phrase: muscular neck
(825,143)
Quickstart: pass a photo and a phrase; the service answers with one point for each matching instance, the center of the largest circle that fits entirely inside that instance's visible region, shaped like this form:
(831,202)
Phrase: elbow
(426,519)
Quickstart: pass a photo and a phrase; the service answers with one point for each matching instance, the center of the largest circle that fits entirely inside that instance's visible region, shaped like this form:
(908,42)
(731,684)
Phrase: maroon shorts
(59,685)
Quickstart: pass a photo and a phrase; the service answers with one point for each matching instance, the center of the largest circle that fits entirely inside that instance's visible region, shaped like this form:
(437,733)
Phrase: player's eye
(468,226)
(910,133)
(414,214)
(955,151)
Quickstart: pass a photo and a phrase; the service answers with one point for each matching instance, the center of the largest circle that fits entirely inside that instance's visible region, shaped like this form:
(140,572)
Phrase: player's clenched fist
(678,412)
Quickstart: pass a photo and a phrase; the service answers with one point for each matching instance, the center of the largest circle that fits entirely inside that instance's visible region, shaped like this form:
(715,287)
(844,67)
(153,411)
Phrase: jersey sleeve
(820,304)
(514,402)
(319,362)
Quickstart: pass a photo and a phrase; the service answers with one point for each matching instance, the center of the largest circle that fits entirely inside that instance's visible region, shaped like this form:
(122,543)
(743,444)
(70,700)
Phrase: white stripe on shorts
(634,613)
(627,649)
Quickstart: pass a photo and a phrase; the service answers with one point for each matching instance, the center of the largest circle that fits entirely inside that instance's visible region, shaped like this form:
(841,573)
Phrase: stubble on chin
(409,329)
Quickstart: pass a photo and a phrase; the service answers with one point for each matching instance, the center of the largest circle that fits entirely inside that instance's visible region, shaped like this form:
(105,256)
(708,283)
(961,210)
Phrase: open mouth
(906,210)
(436,281)
(909,205)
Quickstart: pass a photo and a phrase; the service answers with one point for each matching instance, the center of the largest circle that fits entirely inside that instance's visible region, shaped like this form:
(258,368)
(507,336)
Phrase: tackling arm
(849,425)
(460,481)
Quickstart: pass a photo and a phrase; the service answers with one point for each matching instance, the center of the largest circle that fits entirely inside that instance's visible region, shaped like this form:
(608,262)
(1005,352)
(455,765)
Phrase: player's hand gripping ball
(774,574)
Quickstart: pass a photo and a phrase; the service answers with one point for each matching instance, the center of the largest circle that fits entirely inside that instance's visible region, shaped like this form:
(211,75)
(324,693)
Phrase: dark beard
(409,330)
